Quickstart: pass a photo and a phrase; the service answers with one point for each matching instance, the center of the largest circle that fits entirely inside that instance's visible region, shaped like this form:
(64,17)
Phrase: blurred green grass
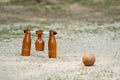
(64,10)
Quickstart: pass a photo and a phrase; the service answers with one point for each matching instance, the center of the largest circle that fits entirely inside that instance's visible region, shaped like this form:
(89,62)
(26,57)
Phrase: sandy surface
(72,44)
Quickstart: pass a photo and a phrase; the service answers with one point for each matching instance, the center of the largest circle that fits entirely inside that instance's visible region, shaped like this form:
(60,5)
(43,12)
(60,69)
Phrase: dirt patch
(4,0)
(73,39)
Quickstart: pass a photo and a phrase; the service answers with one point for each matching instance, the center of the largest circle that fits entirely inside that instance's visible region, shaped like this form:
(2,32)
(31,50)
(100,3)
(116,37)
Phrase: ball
(88,59)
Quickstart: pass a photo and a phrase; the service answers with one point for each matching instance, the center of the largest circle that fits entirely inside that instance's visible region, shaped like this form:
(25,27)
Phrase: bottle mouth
(27,30)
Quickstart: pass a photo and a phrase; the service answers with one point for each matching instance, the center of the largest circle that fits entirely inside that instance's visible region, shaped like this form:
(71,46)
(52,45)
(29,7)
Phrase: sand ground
(72,42)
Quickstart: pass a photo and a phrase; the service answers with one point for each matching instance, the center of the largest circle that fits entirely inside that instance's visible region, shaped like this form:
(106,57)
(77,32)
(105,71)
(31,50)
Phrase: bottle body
(26,46)
(39,44)
(52,45)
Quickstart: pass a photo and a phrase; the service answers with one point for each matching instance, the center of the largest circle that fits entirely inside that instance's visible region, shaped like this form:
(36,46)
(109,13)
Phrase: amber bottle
(39,44)
(26,46)
(52,45)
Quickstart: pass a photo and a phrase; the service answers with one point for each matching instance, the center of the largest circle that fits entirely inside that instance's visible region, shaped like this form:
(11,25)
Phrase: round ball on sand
(88,59)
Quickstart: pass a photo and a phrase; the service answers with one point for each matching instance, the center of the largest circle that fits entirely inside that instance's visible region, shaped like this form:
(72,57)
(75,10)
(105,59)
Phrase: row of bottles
(39,43)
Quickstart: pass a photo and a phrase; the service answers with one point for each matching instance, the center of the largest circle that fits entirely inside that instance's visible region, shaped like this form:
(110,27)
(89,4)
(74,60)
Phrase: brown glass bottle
(52,45)
(26,46)
(39,44)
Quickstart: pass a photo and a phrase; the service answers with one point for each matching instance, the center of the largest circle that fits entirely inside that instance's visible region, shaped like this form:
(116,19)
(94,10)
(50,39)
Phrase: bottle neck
(27,34)
(51,33)
(39,36)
